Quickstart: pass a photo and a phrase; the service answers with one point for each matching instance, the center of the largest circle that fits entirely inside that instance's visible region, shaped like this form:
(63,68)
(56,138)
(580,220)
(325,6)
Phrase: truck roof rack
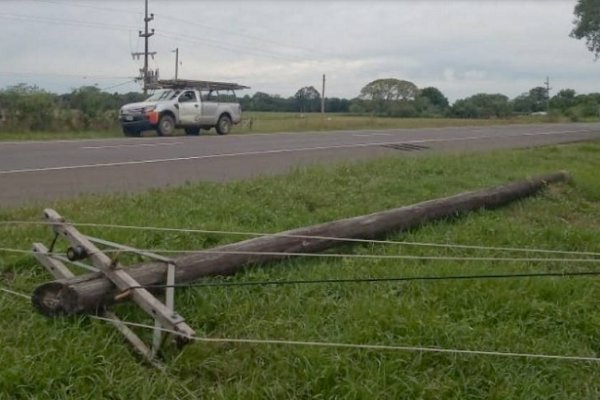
(207,85)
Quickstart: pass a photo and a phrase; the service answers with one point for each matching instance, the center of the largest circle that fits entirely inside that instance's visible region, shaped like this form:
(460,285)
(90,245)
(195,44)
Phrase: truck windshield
(163,94)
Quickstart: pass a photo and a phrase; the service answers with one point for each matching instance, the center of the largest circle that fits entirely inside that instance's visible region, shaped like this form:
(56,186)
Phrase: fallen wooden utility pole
(91,292)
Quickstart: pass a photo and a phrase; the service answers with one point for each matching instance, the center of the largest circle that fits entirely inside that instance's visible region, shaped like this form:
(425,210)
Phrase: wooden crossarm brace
(120,277)
(130,249)
(55,267)
(60,271)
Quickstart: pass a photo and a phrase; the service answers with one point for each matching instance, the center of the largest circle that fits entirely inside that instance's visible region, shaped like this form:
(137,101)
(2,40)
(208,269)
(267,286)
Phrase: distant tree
(586,105)
(522,104)
(92,103)
(389,90)
(307,99)
(435,96)
(533,101)
(587,24)
(539,98)
(246,102)
(262,102)
(403,109)
(337,105)
(130,97)
(381,94)
(359,106)
(482,105)
(563,100)
(28,107)
(431,102)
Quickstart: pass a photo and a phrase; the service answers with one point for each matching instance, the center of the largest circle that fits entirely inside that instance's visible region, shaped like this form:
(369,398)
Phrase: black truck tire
(223,125)
(166,125)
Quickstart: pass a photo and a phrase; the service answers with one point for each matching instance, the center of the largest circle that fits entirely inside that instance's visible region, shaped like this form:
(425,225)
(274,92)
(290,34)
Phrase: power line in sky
(113,27)
(243,35)
(89,6)
(56,74)
(118,85)
(228,46)
(194,23)
(54,21)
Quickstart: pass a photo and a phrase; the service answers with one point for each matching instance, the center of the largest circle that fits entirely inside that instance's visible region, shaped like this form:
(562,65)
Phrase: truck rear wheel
(166,126)
(223,125)
(192,131)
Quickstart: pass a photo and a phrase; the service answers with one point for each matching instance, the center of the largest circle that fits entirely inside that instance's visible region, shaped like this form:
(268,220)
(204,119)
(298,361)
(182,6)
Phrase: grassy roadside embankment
(272,122)
(82,358)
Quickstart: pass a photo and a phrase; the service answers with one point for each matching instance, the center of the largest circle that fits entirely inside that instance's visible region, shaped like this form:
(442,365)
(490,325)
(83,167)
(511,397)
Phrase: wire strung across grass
(362,256)
(284,235)
(340,255)
(373,280)
(355,280)
(563,274)
(351,346)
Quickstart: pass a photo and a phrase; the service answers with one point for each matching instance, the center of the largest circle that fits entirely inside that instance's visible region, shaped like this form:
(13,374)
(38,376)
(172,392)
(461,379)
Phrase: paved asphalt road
(41,171)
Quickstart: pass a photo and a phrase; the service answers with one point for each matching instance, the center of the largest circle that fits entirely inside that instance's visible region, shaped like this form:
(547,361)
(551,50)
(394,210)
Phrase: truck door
(210,105)
(189,108)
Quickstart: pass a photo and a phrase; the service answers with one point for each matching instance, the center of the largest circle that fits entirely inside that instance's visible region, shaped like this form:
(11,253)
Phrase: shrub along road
(42,171)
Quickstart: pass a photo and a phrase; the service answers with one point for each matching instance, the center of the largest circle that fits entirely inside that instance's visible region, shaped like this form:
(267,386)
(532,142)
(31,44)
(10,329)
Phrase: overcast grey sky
(461,47)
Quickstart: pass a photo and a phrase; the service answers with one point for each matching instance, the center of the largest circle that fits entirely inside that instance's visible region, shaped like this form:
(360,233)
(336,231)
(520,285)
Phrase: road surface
(50,170)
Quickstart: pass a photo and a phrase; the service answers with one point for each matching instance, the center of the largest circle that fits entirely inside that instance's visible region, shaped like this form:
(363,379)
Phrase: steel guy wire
(563,274)
(373,280)
(11,250)
(340,255)
(309,237)
(23,295)
(357,346)
(340,345)
(364,256)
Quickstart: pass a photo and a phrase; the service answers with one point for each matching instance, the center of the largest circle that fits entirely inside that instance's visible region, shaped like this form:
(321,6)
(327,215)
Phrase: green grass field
(270,122)
(81,358)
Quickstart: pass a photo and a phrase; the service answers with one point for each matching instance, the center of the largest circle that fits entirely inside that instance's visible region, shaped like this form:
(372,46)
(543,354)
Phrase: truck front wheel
(166,126)
(223,125)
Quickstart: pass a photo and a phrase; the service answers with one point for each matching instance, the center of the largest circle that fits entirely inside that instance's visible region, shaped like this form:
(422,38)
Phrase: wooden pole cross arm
(119,277)
(60,271)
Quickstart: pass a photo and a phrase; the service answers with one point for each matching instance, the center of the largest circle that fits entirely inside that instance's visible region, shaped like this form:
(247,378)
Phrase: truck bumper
(137,123)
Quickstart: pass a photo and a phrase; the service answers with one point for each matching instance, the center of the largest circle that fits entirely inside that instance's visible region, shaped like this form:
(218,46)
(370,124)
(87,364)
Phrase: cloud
(461,47)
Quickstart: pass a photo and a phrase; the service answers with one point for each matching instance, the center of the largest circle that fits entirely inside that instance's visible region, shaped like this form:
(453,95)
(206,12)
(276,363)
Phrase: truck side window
(227,96)
(187,97)
(209,95)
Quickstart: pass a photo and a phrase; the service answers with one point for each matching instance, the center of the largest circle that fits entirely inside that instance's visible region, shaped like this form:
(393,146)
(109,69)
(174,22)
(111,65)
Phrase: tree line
(29,108)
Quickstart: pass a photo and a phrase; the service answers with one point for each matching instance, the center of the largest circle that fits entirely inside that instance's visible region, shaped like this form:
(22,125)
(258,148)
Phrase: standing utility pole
(323,96)
(146,35)
(176,51)
(547,82)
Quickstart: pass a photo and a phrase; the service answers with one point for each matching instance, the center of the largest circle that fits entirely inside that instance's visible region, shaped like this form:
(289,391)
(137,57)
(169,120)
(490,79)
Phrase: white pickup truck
(191,105)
